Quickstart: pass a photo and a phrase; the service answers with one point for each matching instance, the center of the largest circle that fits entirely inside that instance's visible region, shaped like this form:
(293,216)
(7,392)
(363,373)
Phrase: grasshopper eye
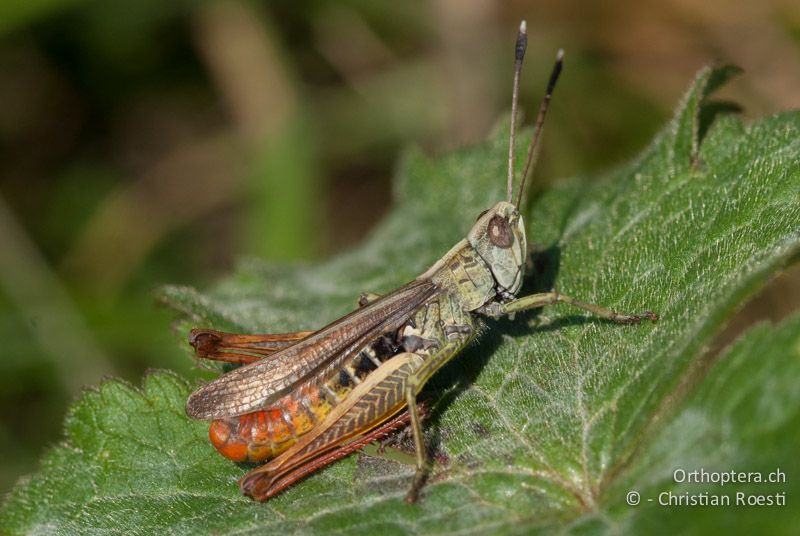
(499,232)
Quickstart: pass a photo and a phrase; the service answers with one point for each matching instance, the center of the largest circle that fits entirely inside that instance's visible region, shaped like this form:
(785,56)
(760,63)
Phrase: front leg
(534,301)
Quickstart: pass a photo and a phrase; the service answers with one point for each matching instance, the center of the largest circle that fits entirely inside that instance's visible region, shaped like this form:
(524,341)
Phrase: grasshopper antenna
(519,55)
(551,84)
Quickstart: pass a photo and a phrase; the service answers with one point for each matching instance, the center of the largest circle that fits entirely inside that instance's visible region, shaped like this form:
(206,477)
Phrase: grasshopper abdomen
(262,435)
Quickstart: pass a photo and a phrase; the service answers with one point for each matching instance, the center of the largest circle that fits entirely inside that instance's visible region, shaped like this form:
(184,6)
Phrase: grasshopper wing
(241,348)
(254,386)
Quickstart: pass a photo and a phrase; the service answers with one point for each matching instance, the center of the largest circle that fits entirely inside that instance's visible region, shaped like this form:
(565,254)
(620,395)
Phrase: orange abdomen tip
(232,447)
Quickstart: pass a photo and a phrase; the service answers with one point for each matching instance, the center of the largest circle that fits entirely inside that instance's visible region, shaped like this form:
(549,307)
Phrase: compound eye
(499,232)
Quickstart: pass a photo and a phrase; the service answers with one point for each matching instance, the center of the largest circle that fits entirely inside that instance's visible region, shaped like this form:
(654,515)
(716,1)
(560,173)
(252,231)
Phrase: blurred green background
(150,142)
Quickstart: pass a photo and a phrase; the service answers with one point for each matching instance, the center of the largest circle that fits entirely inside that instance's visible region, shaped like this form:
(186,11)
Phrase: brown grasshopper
(305,399)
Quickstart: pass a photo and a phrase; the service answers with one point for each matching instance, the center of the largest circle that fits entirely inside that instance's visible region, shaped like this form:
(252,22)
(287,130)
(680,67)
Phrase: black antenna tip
(551,84)
(522,41)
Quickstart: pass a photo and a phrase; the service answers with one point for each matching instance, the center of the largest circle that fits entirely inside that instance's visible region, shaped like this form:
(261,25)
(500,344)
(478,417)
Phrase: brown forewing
(254,386)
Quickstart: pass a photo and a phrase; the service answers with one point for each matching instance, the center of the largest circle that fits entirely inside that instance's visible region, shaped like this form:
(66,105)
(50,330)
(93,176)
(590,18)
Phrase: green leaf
(744,416)
(552,417)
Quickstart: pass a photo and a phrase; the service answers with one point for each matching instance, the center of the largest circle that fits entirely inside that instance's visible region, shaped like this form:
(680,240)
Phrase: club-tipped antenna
(537,130)
(519,55)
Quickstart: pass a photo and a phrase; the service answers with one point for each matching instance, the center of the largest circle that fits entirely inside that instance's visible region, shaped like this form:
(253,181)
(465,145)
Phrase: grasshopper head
(499,238)
(499,234)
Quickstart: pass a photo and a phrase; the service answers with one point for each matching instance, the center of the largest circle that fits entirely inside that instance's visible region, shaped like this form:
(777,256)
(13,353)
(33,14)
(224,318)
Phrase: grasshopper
(303,400)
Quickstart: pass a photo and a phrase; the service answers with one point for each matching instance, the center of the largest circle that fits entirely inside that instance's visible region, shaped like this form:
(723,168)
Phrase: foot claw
(635,319)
